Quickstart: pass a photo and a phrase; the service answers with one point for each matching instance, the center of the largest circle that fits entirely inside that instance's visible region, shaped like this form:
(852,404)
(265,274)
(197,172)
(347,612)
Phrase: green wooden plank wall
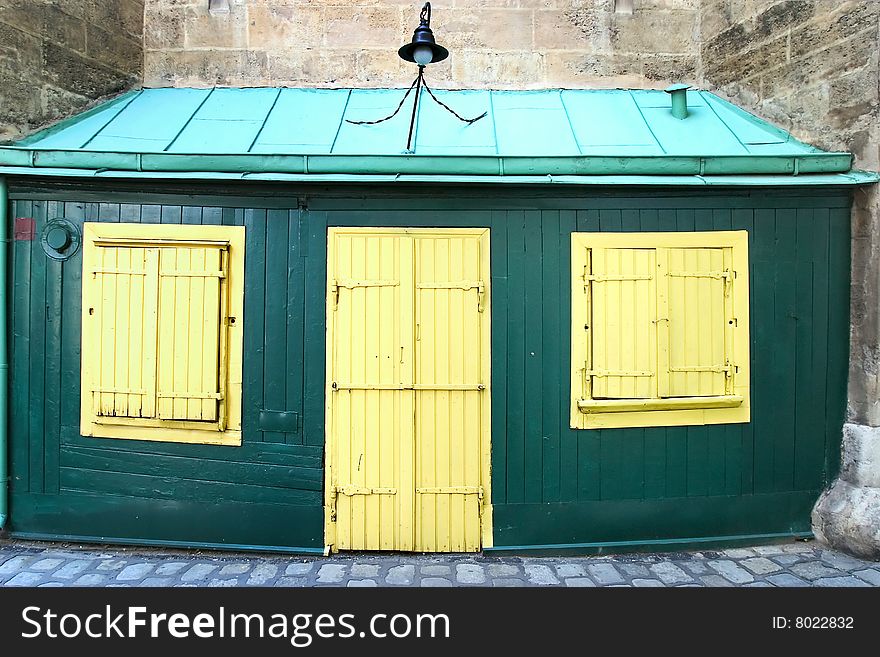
(282,470)
(799,266)
(551,484)
(556,486)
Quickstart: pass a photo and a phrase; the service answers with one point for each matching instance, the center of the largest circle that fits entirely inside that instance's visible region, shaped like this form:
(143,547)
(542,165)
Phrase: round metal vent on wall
(60,239)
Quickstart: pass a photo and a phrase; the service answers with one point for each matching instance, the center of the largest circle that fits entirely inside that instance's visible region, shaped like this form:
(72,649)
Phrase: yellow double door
(408,370)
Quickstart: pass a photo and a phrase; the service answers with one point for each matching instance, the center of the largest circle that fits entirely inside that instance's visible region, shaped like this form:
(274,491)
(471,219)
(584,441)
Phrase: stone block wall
(811,66)
(57,56)
(497,43)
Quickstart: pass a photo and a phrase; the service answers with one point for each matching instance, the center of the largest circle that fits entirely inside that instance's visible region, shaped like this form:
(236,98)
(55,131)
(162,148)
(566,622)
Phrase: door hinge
(351,489)
(608,373)
(452,490)
(334,293)
(456,490)
(331,503)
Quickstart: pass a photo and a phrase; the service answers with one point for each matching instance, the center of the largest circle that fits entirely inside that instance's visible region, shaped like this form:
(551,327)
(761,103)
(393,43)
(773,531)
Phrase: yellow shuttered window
(659,329)
(161,346)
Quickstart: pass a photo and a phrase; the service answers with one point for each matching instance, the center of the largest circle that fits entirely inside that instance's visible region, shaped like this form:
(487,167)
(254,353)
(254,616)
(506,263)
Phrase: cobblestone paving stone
(802,563)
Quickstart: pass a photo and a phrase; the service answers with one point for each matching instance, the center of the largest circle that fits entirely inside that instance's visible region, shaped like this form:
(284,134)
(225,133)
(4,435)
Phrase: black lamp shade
(423,36)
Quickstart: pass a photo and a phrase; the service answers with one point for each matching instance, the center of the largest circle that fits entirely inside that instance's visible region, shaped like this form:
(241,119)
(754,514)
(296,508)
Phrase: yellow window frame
(732,407)
(230,240)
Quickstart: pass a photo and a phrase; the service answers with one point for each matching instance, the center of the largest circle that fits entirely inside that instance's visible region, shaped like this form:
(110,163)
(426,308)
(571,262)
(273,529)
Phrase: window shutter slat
(698,281)
(123,384)
(622,296)
(190,325)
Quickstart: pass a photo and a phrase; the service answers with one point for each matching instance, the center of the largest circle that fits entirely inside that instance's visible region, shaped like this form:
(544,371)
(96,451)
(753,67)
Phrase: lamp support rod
(420,79)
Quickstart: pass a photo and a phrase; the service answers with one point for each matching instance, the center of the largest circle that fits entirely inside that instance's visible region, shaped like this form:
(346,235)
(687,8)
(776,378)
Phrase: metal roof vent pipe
(679,100)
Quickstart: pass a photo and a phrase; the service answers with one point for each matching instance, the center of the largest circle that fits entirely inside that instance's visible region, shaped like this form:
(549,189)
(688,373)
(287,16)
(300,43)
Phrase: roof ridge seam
(265,120)
(647,125)
(113,118)
(494,123)
(724,123)
(189,120)
(570,124)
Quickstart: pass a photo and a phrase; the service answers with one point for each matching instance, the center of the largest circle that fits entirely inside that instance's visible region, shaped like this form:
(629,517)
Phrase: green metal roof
(565,135)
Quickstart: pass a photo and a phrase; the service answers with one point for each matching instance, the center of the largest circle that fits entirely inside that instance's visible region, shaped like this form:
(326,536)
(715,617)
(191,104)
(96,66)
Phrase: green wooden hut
(237,318)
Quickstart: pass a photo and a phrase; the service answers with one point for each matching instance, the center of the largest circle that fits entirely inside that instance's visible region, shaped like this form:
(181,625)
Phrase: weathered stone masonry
(812,66)
(57,56)
(497,43)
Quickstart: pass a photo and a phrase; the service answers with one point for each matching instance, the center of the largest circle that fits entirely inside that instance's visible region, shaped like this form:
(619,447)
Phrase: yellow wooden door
(407,454)
(370,396)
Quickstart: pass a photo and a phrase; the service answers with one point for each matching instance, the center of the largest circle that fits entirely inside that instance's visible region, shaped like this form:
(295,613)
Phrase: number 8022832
(813,623)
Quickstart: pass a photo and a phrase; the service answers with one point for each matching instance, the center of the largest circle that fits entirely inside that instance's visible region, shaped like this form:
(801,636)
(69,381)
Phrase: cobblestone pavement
(24,563)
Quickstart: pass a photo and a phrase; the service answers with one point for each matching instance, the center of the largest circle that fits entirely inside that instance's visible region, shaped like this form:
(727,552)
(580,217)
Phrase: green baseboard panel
(228,525)
(664,546)
(661,524)
(223,547)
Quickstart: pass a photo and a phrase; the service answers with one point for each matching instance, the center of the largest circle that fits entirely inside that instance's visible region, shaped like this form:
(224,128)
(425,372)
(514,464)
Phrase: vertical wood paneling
(763,297)
(70,312)
(568,458)
(743,219)
(314,349)
(500,322)
(254,322)
(533,301)
(730,482)
(799,263)
(784,350)
(553,242)
(813,252)
(275,313)
(804,361)
(516,349)
(53,391)
(19,388)
(37,378)
(295,283)
(45,417)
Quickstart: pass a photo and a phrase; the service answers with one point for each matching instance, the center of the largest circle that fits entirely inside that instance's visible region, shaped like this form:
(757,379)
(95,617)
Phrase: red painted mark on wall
(25,228)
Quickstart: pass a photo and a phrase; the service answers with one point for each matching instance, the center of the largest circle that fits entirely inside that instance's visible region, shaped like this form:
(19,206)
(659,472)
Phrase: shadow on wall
(56,58)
